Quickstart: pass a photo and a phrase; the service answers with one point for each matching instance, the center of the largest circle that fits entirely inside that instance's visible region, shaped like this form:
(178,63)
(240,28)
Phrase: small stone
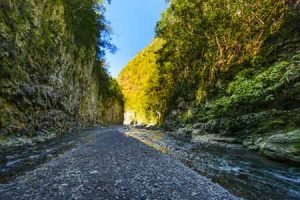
(94,172)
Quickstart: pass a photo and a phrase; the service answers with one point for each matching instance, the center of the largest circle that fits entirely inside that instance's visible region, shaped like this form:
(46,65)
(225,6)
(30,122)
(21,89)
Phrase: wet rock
(15,142)
(222,163)
(254,142)
(216,139)
(283,146)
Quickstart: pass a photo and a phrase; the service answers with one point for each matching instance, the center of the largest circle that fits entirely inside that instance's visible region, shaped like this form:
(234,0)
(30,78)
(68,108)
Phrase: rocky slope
(260,108)
(225,73)
(49,77)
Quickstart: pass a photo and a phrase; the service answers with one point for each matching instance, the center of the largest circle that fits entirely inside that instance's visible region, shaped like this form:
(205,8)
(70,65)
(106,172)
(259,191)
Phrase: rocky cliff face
(47,78)
(234,92)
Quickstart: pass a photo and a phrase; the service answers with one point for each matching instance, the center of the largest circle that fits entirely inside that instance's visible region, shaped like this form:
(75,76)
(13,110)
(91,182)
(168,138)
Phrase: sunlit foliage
(206,40)
(208,46)
(138,81)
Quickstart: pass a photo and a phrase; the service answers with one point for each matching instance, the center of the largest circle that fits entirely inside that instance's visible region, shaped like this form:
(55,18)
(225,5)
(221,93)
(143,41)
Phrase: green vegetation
(219,60)
(208,42)
(85,18)
(138,80)
(224,68)
(52,67)
(229,67)
(267,88)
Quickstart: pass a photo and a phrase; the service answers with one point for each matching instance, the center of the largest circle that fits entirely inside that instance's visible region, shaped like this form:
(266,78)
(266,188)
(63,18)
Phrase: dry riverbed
(106,164)
(244,173)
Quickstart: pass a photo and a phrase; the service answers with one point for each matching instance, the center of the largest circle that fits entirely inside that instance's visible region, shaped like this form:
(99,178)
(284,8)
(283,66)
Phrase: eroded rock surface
(284,146)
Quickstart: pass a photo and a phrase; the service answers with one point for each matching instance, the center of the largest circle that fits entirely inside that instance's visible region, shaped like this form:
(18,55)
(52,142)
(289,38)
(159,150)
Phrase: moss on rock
(284,146)
(47,78)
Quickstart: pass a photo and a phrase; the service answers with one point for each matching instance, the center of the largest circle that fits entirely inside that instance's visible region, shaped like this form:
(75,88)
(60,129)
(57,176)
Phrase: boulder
(216,139)
(284,147)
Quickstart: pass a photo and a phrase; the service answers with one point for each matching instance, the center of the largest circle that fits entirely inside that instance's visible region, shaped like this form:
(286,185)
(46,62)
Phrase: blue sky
(133,23)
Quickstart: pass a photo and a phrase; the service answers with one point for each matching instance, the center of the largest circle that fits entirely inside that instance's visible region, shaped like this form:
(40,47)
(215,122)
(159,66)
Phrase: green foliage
(223,59)
(207,40)
(139,80)
(265,88)
(52,60)
(186,117)
(86,20)
(108,87)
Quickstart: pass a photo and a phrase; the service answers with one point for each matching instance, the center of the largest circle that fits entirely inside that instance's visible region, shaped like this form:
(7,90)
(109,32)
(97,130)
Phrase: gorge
(211,106)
